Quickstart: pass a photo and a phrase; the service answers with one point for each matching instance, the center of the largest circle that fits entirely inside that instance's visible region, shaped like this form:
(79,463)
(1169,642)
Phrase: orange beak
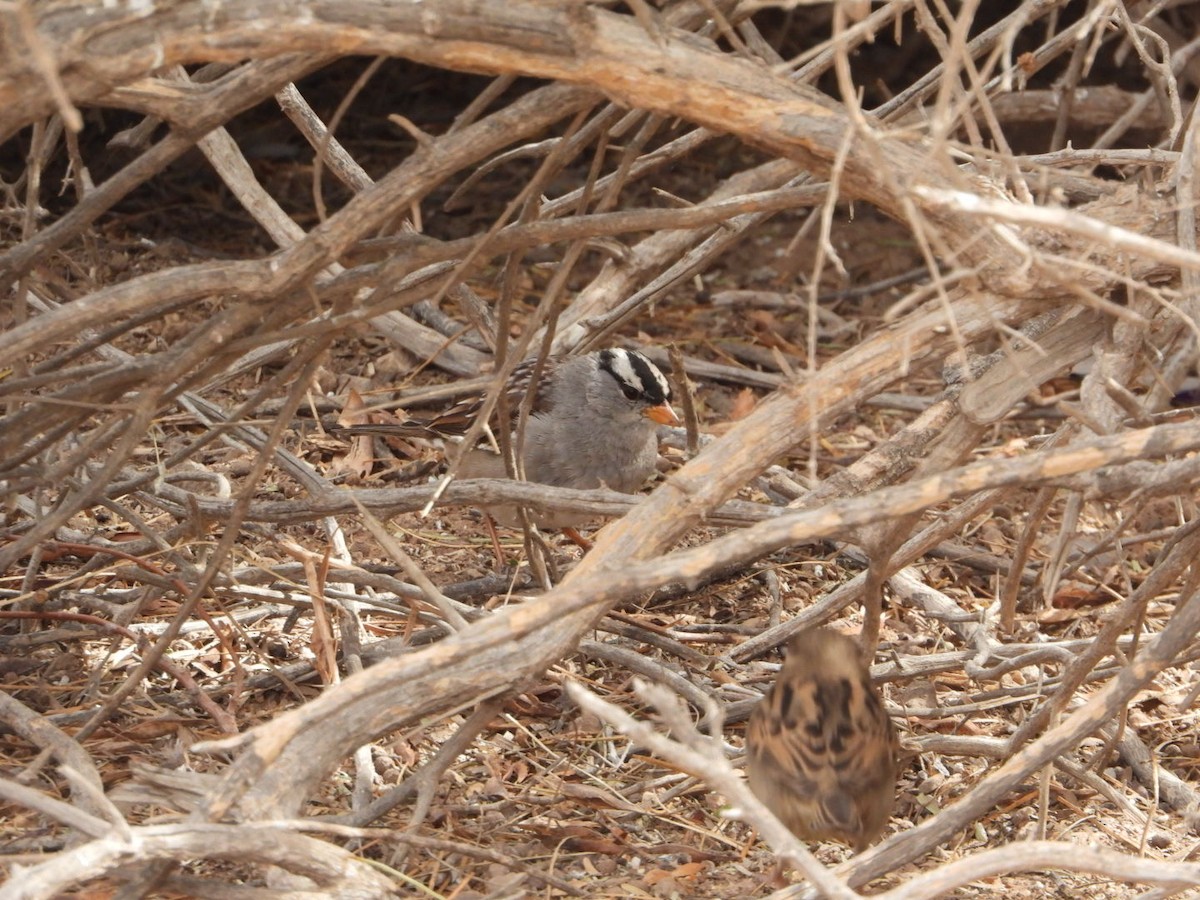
(662,414)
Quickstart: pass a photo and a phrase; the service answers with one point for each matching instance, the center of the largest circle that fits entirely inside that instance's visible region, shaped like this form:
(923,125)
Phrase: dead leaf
(1075,596)
(687,871)
(354,412)
(1058,616)
(743,404)
(595,796)
(324,642)
(576,839)
(530,704)
(360,458)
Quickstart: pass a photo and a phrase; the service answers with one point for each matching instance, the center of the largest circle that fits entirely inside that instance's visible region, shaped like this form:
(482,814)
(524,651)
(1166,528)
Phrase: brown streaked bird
(821,751)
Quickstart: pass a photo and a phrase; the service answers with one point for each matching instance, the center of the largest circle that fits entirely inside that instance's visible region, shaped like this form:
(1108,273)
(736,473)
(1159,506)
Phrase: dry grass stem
(924,274)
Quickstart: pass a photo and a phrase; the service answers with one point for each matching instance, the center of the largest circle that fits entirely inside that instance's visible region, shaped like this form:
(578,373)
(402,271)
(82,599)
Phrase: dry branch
(1038,264)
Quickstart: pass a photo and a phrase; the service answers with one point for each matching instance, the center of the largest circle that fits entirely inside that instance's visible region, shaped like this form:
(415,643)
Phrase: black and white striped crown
(639,378)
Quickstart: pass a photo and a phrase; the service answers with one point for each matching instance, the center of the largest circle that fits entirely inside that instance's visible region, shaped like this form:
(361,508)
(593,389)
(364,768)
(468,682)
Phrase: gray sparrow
(593,423)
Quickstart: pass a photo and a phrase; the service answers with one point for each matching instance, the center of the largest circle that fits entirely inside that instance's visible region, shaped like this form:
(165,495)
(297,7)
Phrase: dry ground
(543,799)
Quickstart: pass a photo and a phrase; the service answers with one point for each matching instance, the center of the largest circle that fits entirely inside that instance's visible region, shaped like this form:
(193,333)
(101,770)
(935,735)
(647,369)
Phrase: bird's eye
(630,392)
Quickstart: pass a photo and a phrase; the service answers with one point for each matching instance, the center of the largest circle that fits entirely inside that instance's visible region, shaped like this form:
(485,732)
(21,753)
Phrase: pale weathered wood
(671,73)
(999,268)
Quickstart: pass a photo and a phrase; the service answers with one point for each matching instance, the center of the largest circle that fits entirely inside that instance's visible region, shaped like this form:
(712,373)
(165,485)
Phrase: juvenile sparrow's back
(821,751)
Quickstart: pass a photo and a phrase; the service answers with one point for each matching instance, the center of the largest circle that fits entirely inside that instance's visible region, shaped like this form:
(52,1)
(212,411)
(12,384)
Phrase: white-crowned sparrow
(821,751)
(593,423)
